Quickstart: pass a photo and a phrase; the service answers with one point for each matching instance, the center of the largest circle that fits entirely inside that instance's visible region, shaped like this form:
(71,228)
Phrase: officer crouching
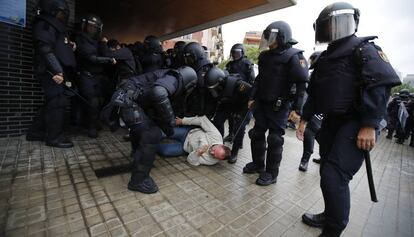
(145,107)
(350,85)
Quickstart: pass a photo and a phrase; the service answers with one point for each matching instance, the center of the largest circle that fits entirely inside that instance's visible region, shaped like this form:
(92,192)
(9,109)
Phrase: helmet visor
(269,37)
(188,59)
(338,25)
(236,54)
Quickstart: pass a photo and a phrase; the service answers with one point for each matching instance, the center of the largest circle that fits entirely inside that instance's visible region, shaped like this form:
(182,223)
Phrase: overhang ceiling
(132,20)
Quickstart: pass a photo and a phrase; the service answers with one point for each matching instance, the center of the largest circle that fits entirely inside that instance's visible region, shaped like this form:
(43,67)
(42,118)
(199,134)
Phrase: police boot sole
(142,190)
(308,221)
(261,182)
(59,145)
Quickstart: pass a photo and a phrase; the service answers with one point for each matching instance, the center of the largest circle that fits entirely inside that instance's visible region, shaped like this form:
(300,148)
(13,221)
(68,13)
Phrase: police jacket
(53,52)
(88,55)
(125,61)
(278,70)
(242,66)
(236,91)
(352,78)
(200,102)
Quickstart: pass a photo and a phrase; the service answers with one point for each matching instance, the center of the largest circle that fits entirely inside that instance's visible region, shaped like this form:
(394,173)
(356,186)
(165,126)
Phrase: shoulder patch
(242,87)
(302,63)
(383,56)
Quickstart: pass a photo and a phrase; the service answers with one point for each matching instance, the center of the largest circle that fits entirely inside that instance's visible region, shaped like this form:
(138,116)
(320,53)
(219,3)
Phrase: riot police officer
(92,81)
(240,64)
(402,115)
(279,68)
(145,105)
(232,93)
(200,102)
(125,67)
(153,57)
(54,63)
(178,57)
(410,119)
(312,129)
(351,113)
(392,115)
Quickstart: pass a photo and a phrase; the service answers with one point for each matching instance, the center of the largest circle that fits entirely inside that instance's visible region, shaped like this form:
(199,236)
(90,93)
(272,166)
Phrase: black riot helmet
(55,8)
(314,56)
(336,21)
(404,92)
(277,32)
(92,26)
(187,78)
(214,80)
(193,52)
(152,44)
(237,51)
(179,47)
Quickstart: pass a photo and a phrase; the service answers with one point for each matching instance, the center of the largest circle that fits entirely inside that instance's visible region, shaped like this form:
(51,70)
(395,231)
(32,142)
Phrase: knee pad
(275,140)
(256,134)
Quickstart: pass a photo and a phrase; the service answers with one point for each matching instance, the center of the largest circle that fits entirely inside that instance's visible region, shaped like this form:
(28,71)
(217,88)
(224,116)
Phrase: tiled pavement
(54,192)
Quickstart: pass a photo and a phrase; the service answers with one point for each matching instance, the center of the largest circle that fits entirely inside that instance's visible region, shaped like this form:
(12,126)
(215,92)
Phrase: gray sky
(391,20)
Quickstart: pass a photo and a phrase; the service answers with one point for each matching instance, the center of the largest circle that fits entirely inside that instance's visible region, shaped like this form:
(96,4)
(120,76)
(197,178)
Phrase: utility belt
(276,104)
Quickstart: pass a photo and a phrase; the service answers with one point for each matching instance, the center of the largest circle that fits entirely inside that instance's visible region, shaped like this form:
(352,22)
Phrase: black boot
(303,166)
(228,138)
(266,179)
(35,136)
(92,132)
(60,142)
(233,156)
(258,146)
(314,220)
(142,183)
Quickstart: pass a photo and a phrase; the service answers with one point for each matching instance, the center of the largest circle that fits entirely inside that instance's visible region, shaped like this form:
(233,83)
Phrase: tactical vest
(274,80)
(336,77)
(241,67)
(152,61)
(62,48)
(86,47)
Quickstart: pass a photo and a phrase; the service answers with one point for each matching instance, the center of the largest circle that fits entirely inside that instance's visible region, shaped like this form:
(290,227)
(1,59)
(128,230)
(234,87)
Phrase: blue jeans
(174,148)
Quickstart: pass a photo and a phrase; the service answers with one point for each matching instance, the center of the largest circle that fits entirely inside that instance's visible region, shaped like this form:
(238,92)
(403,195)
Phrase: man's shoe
(314,220)
(232,159)
(388,137)
(60,143)
(34,137)
(147,185)
(252,168)
(266,179)
(317,160)
(92,133)
(303,166)
(399,141)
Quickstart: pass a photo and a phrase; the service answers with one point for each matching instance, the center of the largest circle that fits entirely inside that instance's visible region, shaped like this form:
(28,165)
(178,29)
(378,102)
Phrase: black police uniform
(309,135)
(93,83)
(146,109)
(402,118)
(392,116)
(350,85)
(242,66)
(410,121)
(53,55)
(233,98)
(200,102)
(153,57)
(279,69)
(125,62)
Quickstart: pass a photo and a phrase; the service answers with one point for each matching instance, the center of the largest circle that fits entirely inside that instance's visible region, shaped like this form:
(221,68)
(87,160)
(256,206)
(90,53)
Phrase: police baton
(68,86)
(371,185)
(241,124)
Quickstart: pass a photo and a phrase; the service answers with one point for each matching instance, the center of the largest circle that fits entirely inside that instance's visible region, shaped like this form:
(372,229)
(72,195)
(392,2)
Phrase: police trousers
(340,160)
